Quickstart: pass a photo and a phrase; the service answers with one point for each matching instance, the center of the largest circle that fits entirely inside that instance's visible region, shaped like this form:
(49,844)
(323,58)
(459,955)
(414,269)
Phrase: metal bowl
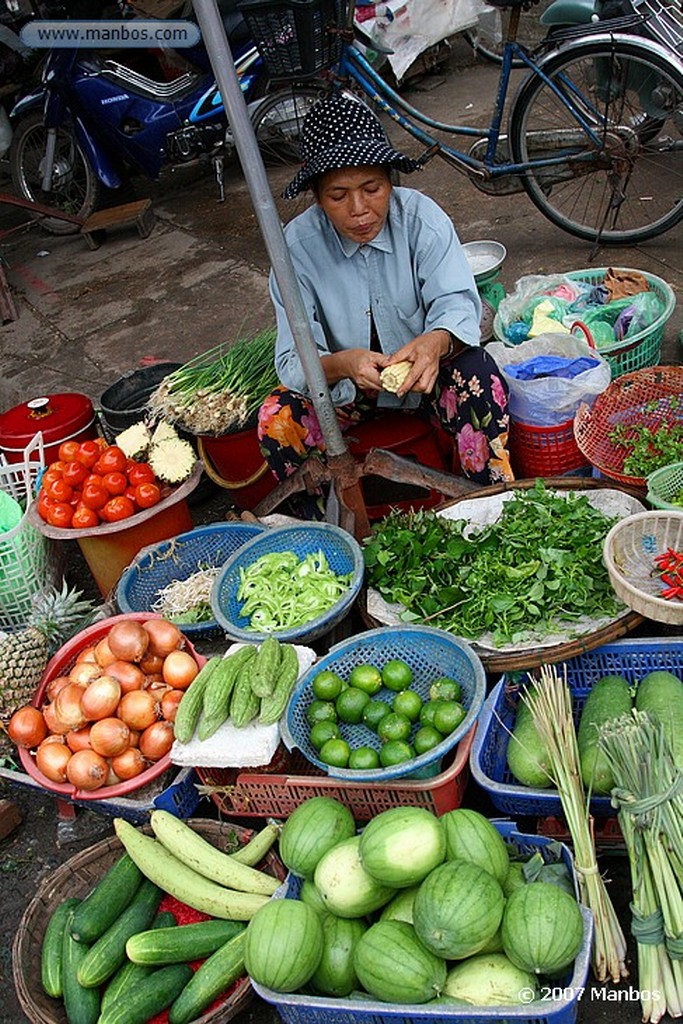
(484,256)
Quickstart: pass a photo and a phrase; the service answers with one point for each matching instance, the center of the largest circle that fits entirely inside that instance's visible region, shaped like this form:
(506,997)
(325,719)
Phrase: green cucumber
(609,698)
(258,846)
(149,996)
(52,949)
(129,974)
(106,956)
(81,1005)
(661,695)
(214,976)
(107,901)
(180,944)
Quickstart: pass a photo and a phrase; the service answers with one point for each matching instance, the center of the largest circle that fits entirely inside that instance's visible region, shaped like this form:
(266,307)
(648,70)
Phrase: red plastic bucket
(234,462)
(66,416)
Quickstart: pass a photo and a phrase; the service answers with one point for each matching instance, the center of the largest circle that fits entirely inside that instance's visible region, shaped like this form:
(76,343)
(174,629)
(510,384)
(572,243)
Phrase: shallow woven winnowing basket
(76,877)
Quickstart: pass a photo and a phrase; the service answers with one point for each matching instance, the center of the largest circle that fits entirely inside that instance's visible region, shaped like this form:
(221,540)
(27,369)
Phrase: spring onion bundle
(649,797)
(220,390)
(551,711)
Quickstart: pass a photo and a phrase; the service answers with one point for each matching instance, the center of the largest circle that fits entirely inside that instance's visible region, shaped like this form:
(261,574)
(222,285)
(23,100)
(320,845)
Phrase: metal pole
(213,35)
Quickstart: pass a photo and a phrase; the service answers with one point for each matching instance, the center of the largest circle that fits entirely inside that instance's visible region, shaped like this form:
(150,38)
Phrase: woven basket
(665,484)
(629,552)
(76,878)
(649,397)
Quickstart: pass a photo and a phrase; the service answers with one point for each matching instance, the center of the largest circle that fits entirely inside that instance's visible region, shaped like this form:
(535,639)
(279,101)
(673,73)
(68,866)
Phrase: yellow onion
(128,641)
(109,736)
(156,740)
(52,760)
(138,709)
(67,707)
(27,727)
(129,764)
(101,698)
(86,769)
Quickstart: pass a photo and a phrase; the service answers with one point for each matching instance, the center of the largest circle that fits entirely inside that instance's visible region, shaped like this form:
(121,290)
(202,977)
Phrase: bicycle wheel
(629,186)
(488,36)
(277,122)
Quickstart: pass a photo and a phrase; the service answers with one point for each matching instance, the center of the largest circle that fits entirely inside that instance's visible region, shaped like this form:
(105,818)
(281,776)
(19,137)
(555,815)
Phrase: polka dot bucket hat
(343,132)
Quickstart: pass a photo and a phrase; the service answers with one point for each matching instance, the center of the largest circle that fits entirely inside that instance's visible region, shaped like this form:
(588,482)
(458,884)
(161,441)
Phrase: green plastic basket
(664,484)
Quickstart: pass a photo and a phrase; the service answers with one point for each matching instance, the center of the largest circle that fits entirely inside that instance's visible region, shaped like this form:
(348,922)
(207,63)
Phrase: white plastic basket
(629,553)
(29,562)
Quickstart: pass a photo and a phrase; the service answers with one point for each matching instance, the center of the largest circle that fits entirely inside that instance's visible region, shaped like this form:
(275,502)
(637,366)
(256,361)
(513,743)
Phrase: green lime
(426,738)
(448,716)
(364,757)
(445,688)
(373,713)
(395,752)
(322,732)
(394,727)
(397,675)
(320,711)
(327,685)
(366,678)
(335,752)
(427,712)
(408,703)
(350,704)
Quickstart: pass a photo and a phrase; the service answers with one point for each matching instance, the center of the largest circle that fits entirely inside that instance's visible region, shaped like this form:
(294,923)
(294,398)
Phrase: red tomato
(88,453)
(68,451)
(102,444)
(94,496)
(84,518)
(60,490)
(49,475)
(112,460)
(93,478)
(130,493)
(75,473)
(147,495)
(140,473)
(44,505)
(117,509)
(114,483)
(60,515)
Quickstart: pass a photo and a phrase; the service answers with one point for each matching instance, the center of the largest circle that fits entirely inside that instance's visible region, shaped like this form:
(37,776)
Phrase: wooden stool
(138,214)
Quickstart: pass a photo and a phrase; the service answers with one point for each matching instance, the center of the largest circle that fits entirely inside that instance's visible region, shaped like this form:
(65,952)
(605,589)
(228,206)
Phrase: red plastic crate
(276,794)
(545,451)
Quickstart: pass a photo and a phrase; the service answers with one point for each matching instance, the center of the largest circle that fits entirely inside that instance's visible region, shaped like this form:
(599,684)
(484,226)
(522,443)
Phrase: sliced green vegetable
(281,591)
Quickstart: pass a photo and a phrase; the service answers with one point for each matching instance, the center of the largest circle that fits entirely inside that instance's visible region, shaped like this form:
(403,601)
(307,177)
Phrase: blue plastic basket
(307,1009)
(342,551)
(177,559)
(632,659)
(431,653)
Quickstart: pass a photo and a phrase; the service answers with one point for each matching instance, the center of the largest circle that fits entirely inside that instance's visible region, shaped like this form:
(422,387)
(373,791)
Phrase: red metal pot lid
(58,416)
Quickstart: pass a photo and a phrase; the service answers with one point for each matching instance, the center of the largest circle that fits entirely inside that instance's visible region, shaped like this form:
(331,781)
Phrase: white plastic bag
(549,401)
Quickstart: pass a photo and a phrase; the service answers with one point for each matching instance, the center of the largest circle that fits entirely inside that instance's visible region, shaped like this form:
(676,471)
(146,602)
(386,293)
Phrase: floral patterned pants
(470,400)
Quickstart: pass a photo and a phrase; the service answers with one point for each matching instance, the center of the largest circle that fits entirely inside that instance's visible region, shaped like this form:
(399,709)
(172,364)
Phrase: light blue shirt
(413,277)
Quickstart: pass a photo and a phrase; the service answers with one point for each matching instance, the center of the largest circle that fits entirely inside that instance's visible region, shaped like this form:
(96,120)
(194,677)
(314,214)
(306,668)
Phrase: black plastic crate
(293,38)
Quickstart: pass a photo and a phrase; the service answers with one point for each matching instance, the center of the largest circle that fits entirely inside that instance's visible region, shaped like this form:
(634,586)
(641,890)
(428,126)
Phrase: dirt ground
(85,318)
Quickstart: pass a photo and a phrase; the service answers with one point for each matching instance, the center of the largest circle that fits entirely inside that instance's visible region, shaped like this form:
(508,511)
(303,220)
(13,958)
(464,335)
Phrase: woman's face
(356,199)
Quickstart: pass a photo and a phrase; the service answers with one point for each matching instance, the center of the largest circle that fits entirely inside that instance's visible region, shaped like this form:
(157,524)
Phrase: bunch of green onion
(649,798)
(551,709)
(220,390)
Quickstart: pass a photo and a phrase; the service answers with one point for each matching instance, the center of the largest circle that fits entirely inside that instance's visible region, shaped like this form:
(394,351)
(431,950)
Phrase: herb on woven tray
(669,568)
(281,590)
(538,567)
(648,448)
(187,601)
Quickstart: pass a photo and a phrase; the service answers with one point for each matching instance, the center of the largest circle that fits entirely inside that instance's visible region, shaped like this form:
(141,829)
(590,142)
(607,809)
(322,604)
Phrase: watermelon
(335,974)
(401,846)
(311,830)
(401,907)
(283,945)
(489,979)
(346,888)
(394,966)
(471,837)
(542,928)
(514,879)
(458,909)
(310,895)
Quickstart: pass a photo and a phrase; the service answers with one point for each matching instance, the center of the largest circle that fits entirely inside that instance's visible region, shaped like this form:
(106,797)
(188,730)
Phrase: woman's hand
(361,365)
(424,352)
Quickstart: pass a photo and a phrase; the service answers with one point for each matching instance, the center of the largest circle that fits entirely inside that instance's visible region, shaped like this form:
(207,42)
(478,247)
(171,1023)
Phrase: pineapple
(134,441)
(164,432)
(56,615)
(172,460)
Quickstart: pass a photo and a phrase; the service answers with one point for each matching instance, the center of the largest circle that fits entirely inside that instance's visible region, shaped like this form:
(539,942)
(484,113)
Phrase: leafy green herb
(648,447)
(539,566)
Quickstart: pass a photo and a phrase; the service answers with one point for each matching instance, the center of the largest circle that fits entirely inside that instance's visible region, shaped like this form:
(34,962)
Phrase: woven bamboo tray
(507,662)
(75,878)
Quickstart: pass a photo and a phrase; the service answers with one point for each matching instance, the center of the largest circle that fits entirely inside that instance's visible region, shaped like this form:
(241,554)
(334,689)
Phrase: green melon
(394,966)
(495,943)
(489,979)
(312,829)
(401,907)
(471,837)
(542,928)
(527,754)
(458,909)
(283,945)
(514,879)
(309,894)
(346,888)
(401,846)
(335,974)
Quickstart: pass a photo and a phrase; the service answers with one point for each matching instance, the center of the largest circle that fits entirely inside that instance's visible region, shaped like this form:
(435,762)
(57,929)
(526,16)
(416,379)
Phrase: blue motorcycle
(94,122)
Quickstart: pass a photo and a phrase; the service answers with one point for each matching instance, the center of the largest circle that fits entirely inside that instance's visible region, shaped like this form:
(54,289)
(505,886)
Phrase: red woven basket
(544,451)
(59,665)
(649,397)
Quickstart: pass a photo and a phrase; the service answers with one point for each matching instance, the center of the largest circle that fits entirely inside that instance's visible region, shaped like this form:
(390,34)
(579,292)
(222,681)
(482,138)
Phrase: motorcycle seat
(507,4)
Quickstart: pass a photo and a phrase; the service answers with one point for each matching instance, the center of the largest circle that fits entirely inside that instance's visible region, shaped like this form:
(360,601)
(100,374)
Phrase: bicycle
(595,128)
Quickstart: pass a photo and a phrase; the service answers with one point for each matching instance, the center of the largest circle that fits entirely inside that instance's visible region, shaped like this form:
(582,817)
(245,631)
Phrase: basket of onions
(101,722)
